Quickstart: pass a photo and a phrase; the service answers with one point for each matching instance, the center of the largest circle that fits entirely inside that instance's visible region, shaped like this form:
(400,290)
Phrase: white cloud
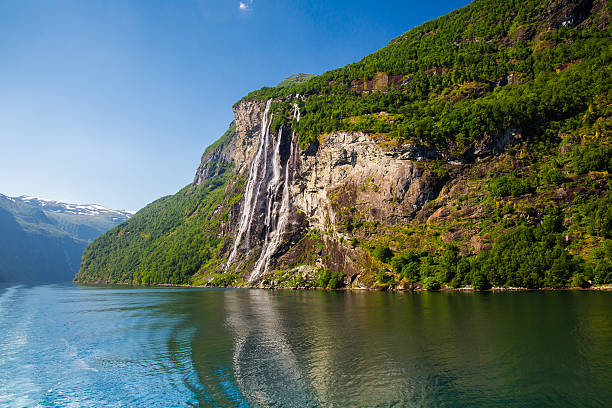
(245,5)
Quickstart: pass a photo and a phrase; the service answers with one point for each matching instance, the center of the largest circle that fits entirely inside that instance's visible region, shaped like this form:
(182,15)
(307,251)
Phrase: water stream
(263,190)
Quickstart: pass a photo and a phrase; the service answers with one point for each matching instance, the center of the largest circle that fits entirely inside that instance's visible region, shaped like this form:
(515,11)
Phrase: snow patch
(76,209)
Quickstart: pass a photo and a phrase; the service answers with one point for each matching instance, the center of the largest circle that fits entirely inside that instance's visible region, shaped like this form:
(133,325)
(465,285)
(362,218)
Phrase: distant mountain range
(43,240)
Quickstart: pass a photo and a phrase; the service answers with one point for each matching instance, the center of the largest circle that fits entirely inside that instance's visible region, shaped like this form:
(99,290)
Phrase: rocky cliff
(342,177)
(471,151)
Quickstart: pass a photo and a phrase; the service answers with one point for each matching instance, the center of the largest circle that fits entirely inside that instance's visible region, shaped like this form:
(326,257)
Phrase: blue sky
(113,102)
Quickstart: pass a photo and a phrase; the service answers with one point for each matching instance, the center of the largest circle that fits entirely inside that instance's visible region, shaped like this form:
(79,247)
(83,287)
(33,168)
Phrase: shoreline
(604,288)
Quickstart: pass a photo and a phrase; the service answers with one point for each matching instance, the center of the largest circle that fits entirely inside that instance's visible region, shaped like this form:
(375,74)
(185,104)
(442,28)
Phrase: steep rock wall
(347,176)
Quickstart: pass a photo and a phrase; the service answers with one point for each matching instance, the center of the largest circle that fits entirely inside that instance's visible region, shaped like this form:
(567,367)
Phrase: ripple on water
(89,347)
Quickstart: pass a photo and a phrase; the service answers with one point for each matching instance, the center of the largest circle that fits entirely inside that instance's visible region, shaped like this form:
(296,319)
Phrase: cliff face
(471,151)
(342,179)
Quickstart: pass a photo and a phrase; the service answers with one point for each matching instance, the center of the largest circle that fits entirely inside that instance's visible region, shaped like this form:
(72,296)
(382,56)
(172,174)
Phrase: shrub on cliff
(382,253)
(335,281)
(431,283)
(223,279)
(400,260)
(599,266)
(597,216)
(323,278)
(592,156)
(551,175)
(510,186)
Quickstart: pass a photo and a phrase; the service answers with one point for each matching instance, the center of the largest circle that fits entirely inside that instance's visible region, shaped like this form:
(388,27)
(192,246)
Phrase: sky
(113,101)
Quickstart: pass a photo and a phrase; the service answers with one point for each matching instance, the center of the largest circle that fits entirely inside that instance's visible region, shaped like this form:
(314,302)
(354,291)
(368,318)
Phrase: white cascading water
(262,179)
(276,172)
(274,236)
(252,188)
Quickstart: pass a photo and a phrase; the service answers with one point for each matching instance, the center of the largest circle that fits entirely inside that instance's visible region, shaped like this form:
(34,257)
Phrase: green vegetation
(596,215)
(536,212)
(296,79)
(328,280)
(168,241)
(223,279)
(592,157)
(382,253)
(508,185)
(529,257)
(487,67)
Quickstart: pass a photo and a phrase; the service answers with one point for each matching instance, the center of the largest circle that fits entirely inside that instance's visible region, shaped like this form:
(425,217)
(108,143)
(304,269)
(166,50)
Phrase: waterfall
(267,170)
(274,237)
(276,172)
(296,109)
(264,174)
(251,191)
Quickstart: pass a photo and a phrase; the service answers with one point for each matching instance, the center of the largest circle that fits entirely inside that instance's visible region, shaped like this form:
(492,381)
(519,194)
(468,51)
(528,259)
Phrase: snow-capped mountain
(43,240)
(76,209)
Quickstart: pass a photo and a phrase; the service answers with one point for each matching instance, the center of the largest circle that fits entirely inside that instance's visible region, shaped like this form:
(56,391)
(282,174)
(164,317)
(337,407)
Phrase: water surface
(63,345)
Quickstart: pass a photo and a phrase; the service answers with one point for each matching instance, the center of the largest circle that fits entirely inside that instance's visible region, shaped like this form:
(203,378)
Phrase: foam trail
(6,297)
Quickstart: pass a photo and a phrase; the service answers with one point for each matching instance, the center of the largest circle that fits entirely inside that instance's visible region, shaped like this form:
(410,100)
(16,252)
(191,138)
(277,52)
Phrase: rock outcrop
(409,167)
(345,177)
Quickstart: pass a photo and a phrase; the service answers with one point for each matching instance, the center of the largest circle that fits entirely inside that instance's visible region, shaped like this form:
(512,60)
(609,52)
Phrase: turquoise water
(63,345)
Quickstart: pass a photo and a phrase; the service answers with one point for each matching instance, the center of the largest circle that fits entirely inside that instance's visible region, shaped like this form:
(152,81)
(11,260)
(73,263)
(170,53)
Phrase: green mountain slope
(168,241)
(451,81)
(295,79)
(507,104)
(45,242)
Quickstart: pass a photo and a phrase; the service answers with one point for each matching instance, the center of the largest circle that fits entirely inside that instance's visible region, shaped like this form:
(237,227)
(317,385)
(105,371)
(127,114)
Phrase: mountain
(474,150)
(84,221)
(296,79)
(43,240)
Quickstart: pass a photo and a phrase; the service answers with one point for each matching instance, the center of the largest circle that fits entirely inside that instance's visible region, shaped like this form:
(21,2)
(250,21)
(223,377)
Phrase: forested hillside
(489,66)
(168,241)
(500,111)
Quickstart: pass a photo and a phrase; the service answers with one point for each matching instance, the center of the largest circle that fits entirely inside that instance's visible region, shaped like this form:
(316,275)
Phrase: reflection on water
(87,347)
(265,366)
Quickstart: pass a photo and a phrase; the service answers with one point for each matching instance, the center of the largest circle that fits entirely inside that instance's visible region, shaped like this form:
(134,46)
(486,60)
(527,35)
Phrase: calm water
(62,345)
